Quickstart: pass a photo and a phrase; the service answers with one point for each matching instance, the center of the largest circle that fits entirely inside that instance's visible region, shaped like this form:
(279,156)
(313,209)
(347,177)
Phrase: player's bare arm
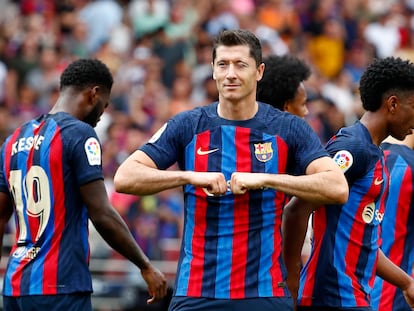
(324,183)
(139,175)
(294,226)
(6,211)
(115,232)
(393,274)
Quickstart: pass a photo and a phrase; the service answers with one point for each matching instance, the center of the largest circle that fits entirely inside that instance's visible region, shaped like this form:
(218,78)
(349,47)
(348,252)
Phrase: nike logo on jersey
(205,152)
(378,181)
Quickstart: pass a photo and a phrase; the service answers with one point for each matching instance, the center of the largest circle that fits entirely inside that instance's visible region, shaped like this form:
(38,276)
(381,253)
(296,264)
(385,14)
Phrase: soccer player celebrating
(345,255)
(51,177)
(238,159)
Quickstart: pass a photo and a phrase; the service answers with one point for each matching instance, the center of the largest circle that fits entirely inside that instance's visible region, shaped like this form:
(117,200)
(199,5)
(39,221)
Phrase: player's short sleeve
(306,145)
(85,154)
(350,155)
(167,145)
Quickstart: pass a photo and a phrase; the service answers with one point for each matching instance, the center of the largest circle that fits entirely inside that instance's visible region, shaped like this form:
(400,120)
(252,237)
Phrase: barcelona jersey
(341,269)
(42,165)
(398,225)
(232,243)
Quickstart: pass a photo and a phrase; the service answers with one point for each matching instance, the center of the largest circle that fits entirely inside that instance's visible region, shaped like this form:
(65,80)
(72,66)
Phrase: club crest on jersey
(93,151)
(263,151)
(344,160)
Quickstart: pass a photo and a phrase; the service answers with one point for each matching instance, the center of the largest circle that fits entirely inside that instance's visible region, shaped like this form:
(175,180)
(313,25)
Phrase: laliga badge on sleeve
(93,151)
(344,160)
(157,135)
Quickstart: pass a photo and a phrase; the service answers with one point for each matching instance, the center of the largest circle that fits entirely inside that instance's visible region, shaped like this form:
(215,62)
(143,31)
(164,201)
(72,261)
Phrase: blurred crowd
(159,52)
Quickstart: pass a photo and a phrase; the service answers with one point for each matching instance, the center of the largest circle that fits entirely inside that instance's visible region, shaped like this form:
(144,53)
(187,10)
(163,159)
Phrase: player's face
(403,117)
(235,72)
(297,105)
(93,117)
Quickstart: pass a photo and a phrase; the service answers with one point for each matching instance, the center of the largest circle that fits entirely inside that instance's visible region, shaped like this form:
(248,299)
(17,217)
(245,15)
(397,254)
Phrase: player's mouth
(231,86)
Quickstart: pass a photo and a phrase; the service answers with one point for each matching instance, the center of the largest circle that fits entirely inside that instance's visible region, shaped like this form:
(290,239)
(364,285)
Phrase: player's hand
(157,284)
(409,294)
(241,182)
(213,183)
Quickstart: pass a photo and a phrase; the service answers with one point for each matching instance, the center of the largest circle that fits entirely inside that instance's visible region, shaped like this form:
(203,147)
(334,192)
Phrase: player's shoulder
(187,121)
(266,110)
(353,145)
(276,117)
(71,126)
(353,136)
(194,113)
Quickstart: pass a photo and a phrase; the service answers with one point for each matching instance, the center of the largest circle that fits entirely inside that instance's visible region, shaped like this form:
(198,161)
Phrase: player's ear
(94,94)
(392,103)
(212,67)
(260,71)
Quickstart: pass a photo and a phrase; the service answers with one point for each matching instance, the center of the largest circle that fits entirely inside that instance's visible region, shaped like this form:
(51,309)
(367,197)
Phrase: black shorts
(71,302)
(208,304)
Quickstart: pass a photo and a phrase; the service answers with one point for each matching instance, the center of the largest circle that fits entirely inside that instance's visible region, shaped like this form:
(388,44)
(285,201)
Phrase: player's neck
(375,126)
(237,110)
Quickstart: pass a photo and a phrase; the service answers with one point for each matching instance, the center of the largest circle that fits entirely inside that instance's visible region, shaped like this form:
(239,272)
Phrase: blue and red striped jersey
(42,165)
(341,269)
(397,228)
(232,244)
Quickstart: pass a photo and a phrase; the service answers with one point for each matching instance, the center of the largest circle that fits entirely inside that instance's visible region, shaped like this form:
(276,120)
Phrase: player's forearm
(115,232)
(143,180)
(322,188)
(393,274)
(294,226)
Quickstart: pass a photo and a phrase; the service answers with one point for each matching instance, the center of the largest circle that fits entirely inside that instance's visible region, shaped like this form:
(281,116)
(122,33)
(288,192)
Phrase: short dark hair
(86,72)
(239,37)
(281,79)
(390,74)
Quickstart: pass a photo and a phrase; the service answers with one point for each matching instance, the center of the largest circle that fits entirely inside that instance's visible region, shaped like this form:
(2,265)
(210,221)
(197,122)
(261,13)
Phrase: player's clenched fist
(242,182)
(213,183)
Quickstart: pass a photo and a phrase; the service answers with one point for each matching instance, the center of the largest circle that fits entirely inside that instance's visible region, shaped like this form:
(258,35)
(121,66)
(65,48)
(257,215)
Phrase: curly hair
(83,73)
(281,79)
(382,76)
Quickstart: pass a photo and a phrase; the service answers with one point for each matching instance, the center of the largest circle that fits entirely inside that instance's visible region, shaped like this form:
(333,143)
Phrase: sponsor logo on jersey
(379,216)
(26,254)
(263,151)
(344,160)
(368,213)
(206,151)
(93,151)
